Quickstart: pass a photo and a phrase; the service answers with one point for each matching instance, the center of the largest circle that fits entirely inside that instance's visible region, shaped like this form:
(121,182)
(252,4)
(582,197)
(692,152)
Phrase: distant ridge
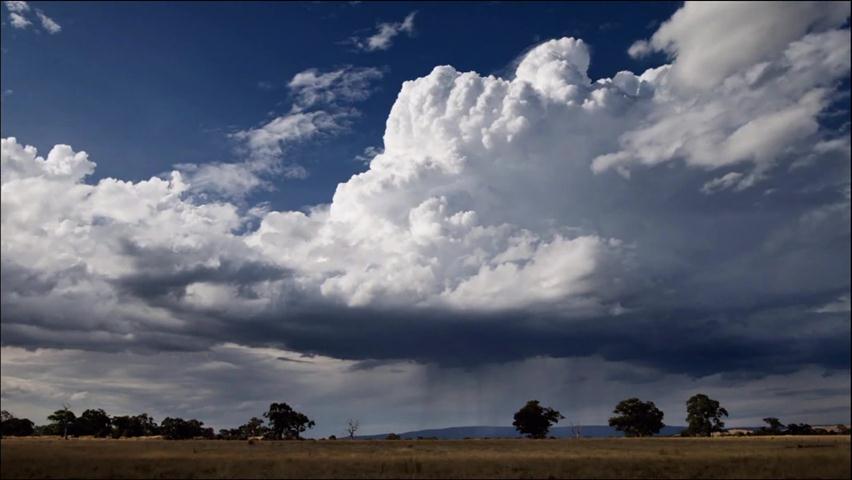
(458,433)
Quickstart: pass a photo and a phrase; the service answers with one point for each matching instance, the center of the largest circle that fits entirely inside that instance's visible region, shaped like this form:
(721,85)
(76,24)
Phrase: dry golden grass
(764,457)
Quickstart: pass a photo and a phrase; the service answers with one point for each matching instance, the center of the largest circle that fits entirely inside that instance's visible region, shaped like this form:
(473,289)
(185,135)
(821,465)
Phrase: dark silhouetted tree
(180,429)
(637,418)
(64,421)
(93,422)
(773,427)
(254,428)
(10,426)
(703,416)
(535,421)
(134,426)
(799,429)
(286,422)
(122,426)
(352,428)
(147,424)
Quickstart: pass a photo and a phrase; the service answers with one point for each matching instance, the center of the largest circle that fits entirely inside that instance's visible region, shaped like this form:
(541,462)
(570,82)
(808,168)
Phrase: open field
(763,457)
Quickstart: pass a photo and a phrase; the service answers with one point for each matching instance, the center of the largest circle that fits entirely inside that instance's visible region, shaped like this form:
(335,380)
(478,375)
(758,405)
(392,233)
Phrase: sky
(423,215)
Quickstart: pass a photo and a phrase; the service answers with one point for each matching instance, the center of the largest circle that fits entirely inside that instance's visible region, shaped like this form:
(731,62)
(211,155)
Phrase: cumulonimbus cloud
(493,209)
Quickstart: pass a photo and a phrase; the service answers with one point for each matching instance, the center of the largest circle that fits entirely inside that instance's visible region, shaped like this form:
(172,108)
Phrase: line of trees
(96,423)
(775,427)
(636,418)
(632,416)
(284,423)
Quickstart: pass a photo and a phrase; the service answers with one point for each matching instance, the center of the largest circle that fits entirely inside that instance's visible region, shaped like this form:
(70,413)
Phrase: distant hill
(458,433)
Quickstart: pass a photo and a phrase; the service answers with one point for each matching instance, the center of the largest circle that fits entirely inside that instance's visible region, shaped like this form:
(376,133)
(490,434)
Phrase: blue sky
(422,214)
(173,79)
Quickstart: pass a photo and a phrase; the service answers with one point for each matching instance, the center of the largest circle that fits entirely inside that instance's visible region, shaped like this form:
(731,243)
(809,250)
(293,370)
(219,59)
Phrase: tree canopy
(63,422)
(11,426)
(704,416)
(773,426)
(637,418)
(535,421)
(286,422)
(180,429)
(134,426)
(93,422)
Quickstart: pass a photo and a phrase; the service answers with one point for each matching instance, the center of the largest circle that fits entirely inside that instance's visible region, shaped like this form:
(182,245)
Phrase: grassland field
(731,457)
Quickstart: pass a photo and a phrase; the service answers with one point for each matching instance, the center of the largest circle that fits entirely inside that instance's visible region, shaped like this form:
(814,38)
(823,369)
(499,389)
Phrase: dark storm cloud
(25,281)
(294,360)
(807,392)
(161,272)
(693,342)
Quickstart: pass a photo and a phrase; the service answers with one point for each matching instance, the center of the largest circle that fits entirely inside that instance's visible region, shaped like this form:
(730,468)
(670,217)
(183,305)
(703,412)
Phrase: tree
(775,427)
(146,424)
(286,422)
(17,427)
(576,430)
(180,429)
(703,416)
(10,426)
(800,429)
(637,418)
(352,427)
(253,428)
(93,422)
(63,420)
(134,426)
(535,421)
(173,428)
(122,426)
(49,429)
